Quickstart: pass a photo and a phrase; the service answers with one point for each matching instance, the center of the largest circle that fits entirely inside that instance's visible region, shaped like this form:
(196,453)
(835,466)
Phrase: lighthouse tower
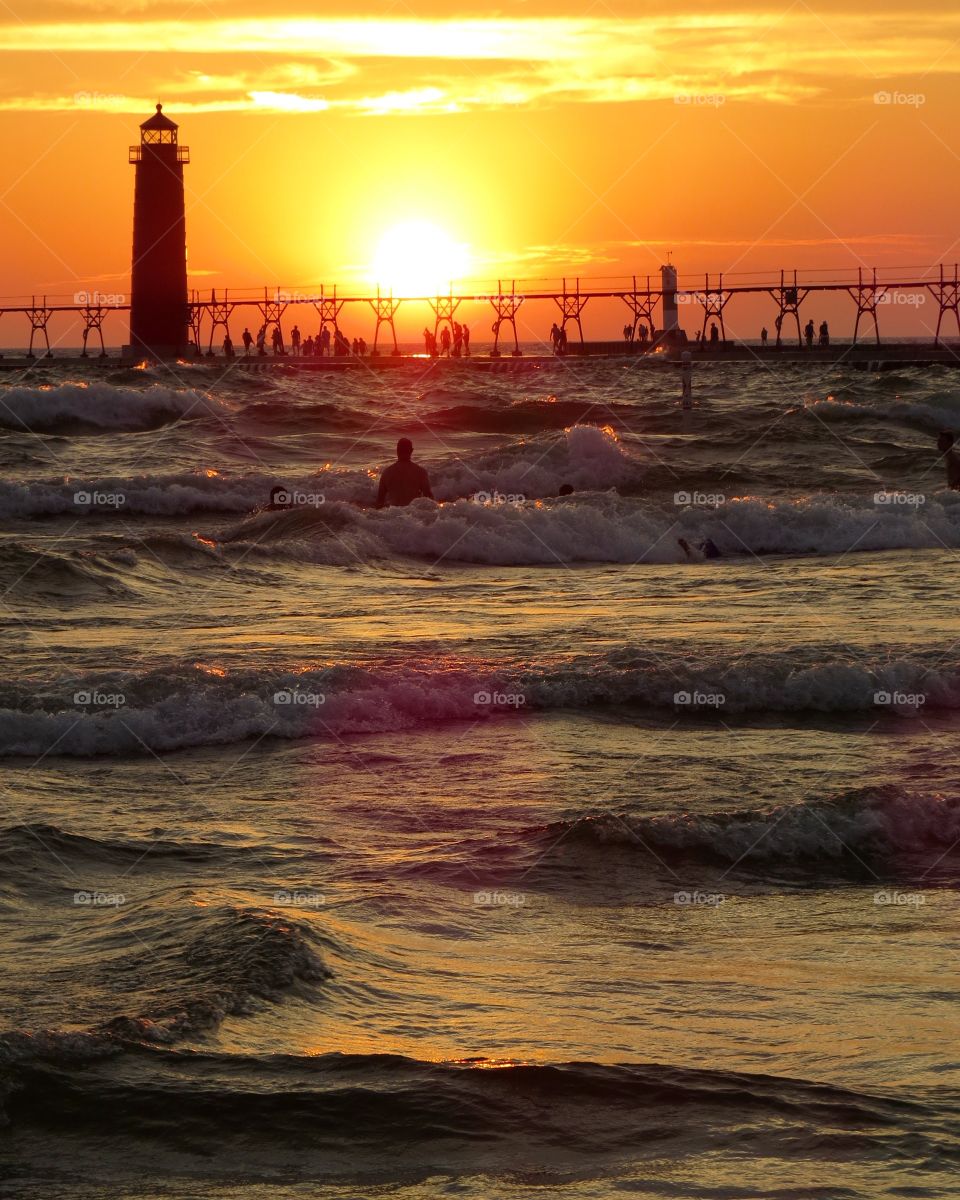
(158,280)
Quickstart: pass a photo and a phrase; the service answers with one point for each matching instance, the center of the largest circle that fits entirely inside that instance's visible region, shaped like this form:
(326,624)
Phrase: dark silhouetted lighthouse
(158,279)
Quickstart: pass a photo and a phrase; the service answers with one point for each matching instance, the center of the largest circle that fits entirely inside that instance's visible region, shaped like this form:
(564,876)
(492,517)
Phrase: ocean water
(487,848)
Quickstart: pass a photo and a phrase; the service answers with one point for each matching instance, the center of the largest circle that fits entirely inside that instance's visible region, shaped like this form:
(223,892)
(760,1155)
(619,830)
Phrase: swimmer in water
(945,444)
(403,481)
(280,499)
(706,549)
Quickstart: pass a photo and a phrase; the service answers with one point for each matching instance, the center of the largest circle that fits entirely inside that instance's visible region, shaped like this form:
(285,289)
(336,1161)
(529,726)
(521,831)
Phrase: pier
(700,301)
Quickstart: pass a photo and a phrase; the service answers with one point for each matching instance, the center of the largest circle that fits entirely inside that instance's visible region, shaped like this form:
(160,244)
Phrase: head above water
(945,440)
(566,489)
(404,449)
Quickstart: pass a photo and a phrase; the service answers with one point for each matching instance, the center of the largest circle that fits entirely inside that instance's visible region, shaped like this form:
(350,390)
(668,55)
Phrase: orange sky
(543,139)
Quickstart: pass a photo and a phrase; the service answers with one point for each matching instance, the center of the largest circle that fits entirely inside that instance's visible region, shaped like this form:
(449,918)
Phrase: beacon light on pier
(159,306)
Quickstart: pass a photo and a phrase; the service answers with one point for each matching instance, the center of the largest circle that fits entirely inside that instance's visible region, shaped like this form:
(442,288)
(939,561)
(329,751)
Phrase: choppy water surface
(488,847)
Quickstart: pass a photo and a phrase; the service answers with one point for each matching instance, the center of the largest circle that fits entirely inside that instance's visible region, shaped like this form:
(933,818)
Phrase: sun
(418,258)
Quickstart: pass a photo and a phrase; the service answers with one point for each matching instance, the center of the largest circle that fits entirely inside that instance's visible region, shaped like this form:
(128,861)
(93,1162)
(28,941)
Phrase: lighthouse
(159,311)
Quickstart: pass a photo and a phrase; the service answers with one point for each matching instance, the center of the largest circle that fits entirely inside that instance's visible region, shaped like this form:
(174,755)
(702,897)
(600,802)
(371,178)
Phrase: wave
(193,705)
(100,407)
(206,964)
(385,1103)
(495,529)
(586,457)
(936,413)
(876,825)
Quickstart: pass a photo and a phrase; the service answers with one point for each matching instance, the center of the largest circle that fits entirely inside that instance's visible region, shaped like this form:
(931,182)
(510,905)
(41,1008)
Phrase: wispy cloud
(308,64)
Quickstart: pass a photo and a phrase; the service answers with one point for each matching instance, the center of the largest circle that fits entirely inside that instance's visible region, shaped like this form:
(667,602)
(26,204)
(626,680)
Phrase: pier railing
(701,299)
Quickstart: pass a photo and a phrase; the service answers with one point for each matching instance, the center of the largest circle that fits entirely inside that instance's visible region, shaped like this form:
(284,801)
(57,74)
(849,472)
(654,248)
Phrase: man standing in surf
(403,481)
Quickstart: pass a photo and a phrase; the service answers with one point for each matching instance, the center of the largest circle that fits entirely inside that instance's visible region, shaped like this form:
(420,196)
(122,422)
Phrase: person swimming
(945,444)
(403,481)
(280,499)
(707,548)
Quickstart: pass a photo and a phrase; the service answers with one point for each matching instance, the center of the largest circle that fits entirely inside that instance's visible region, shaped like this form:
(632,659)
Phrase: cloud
(426,66)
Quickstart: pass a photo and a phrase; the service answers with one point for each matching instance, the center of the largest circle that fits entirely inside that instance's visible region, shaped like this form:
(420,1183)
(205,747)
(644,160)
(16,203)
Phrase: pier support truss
(385,308)
(641,304)
(714,301)
(219,312)
(946,292)
(506,307)
(93,315)
(39,316)
(329,309)
(195,319)
(571,305)
(271,312)
(866,296)
(788,297)
(443,308)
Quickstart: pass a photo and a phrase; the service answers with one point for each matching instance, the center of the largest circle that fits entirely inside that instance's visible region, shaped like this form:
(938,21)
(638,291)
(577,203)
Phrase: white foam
(190,706)
(100,406)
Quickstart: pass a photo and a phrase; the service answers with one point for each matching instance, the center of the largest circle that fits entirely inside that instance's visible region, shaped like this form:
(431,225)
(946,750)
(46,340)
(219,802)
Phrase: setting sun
(418,258)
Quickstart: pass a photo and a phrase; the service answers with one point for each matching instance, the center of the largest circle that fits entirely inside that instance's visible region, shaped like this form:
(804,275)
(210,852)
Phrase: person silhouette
(466,340)
(951,459)
(247,342)
(686,380)
(403,481)
(295,340)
